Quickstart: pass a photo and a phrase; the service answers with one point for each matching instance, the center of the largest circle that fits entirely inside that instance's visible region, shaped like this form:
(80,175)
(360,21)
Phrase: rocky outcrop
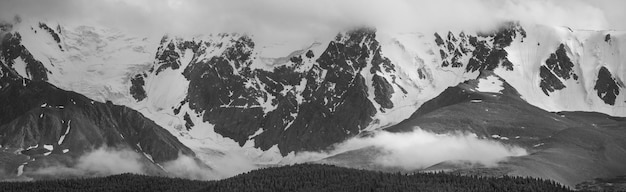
(558,66)
(13,49)
(606,86)
(309,103)
(136,88)
(485,50)
(52,33)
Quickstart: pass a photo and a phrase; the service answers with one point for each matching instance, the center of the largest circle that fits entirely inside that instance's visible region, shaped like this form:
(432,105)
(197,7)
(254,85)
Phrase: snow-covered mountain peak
(94,61)
(267,99)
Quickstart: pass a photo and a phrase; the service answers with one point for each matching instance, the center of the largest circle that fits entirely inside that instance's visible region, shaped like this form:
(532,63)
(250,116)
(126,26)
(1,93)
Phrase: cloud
(100,162)
(189,168)
(226,164)
(421,149)
(111,161)
(293,19)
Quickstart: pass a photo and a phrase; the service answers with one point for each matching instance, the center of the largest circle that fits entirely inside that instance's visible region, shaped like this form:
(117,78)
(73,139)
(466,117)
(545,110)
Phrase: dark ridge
(296,60)
(8,76)
(451,36)
(549,82)
(487,54)
(300,177)
(188,121)
(450,96)
(421,74)
(445,63)
(334,106)
(486,57)
(50,31)
(438,39)
(607,38)
(232,95)
(443,54)
(136,88)
(456,60)
(309,54)
(167,57)
(12,48)
(557,65)
(507,32)
(213,84)
(561,64)
(379,63)
(382,92)
(38,113)
(184,45)
(606,87)
(450,46)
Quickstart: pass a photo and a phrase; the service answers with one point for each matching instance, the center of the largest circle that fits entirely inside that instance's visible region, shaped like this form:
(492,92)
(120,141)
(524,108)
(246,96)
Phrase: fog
(99,162)
(421,149)
(410,150)
(110,161)
(296,19)
(190,168)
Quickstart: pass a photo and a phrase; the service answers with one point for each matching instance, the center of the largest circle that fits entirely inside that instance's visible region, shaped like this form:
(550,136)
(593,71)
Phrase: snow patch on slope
(20,67)
(491,84)
(67,131)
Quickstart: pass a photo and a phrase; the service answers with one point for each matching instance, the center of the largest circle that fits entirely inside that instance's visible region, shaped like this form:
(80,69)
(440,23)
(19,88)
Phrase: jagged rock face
(560,69)
(606,86)
(485,51)
(307,104)
(311,98)
(558,65)
(50,126)
(13,49)
(136,88)
(167,55)
(52,33)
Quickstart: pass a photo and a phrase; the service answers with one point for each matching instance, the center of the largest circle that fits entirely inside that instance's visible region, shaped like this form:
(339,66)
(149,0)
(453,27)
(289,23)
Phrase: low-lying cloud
(189,168)
(421,149)
(100,162)
(413,150)
(106,161)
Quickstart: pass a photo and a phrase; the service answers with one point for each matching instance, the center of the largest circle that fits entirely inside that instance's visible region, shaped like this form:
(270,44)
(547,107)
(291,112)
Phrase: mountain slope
(43,126)
(569,147)
(233,95)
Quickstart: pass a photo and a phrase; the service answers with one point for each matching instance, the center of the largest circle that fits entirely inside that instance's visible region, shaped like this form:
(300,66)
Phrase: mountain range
(232,102)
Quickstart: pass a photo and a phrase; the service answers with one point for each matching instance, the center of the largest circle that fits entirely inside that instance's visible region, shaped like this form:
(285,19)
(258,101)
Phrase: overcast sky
(316,16)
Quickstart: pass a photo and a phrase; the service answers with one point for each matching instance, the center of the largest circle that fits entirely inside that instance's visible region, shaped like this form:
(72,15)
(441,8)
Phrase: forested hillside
(301,177)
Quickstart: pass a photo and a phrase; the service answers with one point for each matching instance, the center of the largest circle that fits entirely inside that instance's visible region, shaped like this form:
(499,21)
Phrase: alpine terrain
(231,102)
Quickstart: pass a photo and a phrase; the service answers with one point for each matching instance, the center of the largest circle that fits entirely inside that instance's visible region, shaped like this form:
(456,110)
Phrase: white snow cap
(491,84)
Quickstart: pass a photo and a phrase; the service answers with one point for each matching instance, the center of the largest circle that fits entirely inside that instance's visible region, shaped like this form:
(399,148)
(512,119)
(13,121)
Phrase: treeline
(123,182)
(301,177)
(315,177)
